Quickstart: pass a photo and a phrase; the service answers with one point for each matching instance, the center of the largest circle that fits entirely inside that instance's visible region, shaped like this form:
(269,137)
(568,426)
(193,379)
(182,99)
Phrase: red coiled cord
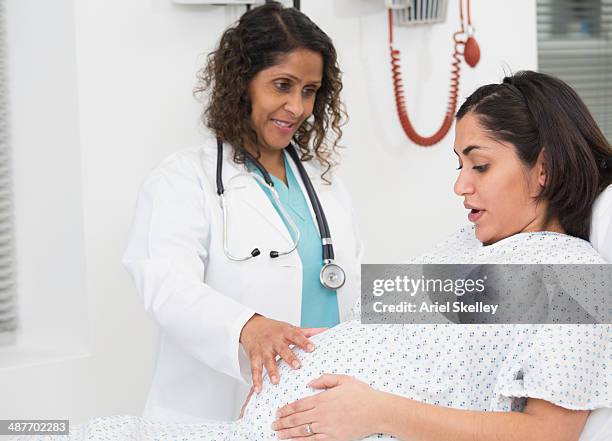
(398,86)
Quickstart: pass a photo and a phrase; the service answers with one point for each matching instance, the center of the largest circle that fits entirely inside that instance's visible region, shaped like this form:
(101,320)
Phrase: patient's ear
(541,169)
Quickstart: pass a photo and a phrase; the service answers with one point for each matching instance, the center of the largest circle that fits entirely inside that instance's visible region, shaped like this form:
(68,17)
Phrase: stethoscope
(332,276)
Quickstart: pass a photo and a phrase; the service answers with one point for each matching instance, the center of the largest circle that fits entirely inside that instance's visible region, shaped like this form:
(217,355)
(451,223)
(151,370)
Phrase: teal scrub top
(319,304)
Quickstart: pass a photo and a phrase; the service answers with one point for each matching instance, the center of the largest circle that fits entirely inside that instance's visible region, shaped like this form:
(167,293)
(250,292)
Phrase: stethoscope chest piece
(332,276)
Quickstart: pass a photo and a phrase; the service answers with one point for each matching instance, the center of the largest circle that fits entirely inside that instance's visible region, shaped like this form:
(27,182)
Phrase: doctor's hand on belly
(263,339)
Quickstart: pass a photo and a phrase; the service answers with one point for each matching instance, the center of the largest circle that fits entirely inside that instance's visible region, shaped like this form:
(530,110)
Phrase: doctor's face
(283,96)
(499,191)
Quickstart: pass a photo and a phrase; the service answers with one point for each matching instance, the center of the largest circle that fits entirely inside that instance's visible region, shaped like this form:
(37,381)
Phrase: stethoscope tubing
(294,228)
(326,242)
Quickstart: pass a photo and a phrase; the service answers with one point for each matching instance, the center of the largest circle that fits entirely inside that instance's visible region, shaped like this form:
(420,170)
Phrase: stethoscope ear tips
(273,254)
(255,252)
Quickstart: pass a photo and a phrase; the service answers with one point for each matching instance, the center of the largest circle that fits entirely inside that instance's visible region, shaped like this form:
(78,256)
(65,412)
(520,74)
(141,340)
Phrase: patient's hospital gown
(475,367)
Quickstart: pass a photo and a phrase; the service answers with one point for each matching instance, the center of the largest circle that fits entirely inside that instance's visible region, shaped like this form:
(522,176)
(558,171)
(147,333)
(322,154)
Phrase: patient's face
(499,191)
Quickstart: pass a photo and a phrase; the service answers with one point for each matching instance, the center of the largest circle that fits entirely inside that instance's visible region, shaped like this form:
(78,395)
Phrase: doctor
(245,246)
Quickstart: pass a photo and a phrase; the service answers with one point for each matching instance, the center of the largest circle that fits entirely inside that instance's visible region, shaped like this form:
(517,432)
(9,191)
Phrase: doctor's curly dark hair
(257,41)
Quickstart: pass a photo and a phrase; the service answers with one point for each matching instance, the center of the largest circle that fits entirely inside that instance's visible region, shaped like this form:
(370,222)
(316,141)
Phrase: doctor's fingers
(256,371)
(297,337)
(290,358)
(270,362)
(309,332)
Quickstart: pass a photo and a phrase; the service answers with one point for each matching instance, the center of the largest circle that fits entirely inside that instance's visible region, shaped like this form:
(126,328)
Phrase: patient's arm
(368,411)
(540,421)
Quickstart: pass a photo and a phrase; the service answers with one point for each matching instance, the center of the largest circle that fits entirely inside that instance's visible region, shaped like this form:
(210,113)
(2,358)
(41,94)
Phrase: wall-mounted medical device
(217,2)
(247,3)
(416,12)
(422,12)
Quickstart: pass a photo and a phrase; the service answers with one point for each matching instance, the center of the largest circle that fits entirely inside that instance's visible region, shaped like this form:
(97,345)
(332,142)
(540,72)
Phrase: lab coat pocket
(275,289)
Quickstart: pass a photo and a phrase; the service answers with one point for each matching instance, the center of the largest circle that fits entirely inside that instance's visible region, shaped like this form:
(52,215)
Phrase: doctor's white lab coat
(199,298)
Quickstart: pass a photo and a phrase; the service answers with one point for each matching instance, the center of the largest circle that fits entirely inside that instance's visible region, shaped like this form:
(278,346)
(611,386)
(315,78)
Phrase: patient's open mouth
(475,214)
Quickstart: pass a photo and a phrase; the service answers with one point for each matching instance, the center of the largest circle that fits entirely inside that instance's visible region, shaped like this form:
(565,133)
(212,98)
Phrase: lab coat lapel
(315,178)
(253,195)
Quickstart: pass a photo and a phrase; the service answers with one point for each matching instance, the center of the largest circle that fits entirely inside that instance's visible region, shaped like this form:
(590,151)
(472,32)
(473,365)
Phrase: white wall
(409,193)
(101,91)
(48,211)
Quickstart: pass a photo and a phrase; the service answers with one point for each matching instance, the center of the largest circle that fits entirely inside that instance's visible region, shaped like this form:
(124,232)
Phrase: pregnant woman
(532,162)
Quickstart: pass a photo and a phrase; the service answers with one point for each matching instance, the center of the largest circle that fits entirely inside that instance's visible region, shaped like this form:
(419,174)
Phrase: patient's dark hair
(534,111)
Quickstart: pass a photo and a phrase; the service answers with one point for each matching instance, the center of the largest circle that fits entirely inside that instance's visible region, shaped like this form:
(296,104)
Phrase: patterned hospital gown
(475,367)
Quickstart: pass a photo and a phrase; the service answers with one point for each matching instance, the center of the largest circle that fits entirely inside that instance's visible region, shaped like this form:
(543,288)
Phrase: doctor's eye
(283,86)
(460,167)
(311,91)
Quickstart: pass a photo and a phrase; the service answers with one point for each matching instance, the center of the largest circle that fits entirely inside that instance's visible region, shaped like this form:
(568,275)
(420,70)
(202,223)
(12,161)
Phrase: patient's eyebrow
(466,151)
